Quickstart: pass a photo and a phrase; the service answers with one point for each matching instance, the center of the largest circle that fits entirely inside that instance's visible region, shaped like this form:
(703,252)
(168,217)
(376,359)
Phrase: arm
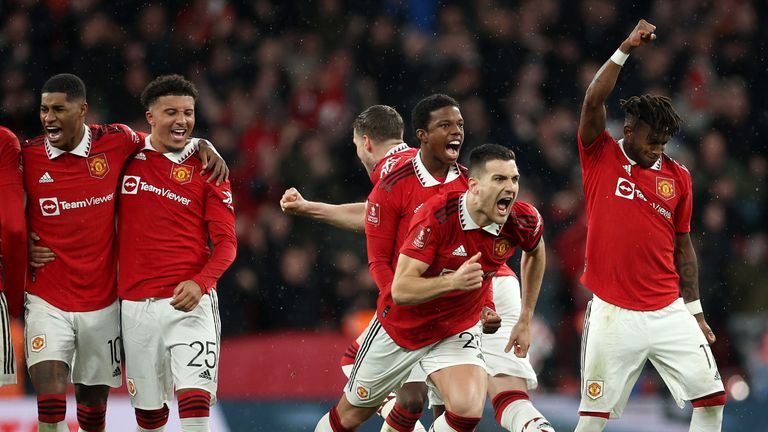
(688,270)
(410,288)
(532,265)
(593,116)
(213,162)
(13,245)
(350,217)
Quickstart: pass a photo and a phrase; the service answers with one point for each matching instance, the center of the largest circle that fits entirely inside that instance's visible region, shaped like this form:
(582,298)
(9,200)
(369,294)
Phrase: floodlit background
(280,82)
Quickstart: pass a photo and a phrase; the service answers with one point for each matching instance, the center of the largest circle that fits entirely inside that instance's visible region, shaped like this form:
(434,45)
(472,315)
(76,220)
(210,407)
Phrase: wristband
(694,307)
(619,57)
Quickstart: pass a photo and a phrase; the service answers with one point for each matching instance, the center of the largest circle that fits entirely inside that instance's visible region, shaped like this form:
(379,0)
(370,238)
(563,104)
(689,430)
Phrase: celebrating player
(13,248)
(168,275)
(640,259)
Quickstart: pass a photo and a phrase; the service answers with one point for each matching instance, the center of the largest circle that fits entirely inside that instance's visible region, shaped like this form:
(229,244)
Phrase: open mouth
(53,133)
(504,206)
(452,148)
(179,133)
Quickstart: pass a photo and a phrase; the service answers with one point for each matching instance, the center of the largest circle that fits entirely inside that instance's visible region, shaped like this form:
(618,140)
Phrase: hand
(38,255)
(490,319)
(641,34)
(186,296)
(520,339)
(708,333)
(219,169)
(292,202)
(469,276)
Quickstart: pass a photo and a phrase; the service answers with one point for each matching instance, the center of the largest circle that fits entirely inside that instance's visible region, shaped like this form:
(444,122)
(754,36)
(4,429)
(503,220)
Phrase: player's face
(497,189)
(62,119)
(362,153)
(172,119)
(642,145)
(444,134)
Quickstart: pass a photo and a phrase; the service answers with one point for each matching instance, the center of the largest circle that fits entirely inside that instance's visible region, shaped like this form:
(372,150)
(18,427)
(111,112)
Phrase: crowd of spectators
(281,81)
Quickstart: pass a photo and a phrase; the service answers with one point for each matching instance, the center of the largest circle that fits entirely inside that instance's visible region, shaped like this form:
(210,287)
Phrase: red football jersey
(13,230)
(632,217)
(390,159)
(443,235)
(71,206)
(166,213)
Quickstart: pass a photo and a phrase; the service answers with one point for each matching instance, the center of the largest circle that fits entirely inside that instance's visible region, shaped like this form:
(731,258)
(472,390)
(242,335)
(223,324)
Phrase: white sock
(195,424)
(52,427)
(521,415)
(141,429)
(441,425)
(418,427)
(707,419)
(387,406)
(324,425)
(591,424)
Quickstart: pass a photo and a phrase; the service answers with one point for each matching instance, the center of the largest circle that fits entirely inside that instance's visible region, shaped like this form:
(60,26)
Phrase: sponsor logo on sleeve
(594,389)
(387,166)
(50,206)
(665,188)
(625,188)
(501,246)
(131,185)
(37,343)
(98,165)
(182,173)
(227,199)
(372,213)
(422,236)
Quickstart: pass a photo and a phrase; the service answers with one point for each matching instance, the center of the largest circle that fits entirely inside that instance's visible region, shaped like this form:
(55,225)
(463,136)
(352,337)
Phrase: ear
(367,144)
(627,131)
(84,109)
(421,135)
(473,185)
(149,117)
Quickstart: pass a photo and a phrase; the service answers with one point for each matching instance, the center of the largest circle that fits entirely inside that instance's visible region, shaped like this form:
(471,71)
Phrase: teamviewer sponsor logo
(50,206)
(625,188)
(131,185)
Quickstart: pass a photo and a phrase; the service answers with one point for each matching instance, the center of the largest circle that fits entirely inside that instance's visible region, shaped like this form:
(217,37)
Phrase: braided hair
(656,111)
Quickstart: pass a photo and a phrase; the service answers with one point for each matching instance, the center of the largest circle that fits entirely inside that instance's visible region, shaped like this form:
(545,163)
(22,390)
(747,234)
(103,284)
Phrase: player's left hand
(213,162)
(186,296)
(490,319)
(708,333)
(38,255)
(520,339)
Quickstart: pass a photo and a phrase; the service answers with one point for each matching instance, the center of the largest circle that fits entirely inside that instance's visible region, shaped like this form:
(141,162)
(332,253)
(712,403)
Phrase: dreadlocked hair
(656,111)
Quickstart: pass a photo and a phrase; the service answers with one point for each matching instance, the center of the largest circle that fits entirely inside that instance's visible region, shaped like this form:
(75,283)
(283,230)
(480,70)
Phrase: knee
(467,403)
(91,395)
(411,397)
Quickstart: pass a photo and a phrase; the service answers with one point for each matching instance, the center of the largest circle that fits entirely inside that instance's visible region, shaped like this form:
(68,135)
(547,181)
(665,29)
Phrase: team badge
(421,237)
(594,389)
(362,392)
(501,246)
(372,213)
(98,166)
(38,343)
(665,188)
(182,173)
(49,206)
(131,185)
(131,386)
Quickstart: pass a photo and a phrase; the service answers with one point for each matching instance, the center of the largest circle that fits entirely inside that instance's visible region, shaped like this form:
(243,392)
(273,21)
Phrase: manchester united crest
(131,386)
(98,166)
(182,173)
(362,392)
(594,389)
(38,343)
(501,246)
(665,188)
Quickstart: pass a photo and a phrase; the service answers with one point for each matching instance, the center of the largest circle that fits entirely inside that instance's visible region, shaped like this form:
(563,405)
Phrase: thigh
(614,350)
(681,354)
(463,348)
(193,339)
(7,357)
(147,373)
(380,367)
(49,333)
(97,359)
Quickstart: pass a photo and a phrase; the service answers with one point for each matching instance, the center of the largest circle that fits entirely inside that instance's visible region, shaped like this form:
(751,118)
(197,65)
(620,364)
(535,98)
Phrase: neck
(475,212)
(380,150)
(76,138)
(435,167)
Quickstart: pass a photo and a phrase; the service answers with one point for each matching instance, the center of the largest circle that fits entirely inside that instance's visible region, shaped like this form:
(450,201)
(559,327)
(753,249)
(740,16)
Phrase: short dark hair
(379,122)
(485,153)
(422,110)
(66,83)
(167,85)
(656,111)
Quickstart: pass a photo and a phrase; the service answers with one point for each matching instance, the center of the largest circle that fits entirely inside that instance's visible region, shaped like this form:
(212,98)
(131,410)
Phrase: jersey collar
(397,149)
(656,166)
(82,149)
(426,178)
(467,223)
(178,156)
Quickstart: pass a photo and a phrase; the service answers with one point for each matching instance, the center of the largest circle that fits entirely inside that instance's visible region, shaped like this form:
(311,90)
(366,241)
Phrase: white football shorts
(7,357)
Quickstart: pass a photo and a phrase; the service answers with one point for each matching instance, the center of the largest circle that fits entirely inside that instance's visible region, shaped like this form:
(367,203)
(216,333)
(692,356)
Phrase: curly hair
(423,109)
(654,110)
(167,85)
(66,83)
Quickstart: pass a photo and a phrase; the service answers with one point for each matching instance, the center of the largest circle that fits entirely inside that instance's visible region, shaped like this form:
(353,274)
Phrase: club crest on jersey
(665,188)
(501,247)
(372,213)
(131,386)
(421,237)
(131,185)
(182,173)
(594,389)
(50,206)
(38,343)
(98,165)
(362,392)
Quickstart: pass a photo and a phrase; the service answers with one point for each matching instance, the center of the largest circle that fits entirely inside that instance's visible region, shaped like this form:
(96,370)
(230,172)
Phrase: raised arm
(593,116)
(688,269)
(350,217)
(532,265)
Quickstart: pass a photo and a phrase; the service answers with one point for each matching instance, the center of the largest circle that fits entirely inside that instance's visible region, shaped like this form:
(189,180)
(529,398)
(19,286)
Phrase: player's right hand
(641,34)
(292,202)
(469,276)
(38,255)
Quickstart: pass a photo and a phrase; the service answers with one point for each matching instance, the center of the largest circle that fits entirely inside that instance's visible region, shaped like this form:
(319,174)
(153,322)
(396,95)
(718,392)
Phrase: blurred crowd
(281,81)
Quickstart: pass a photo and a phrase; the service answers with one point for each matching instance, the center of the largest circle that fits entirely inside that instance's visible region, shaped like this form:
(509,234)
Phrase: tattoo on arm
(689,280)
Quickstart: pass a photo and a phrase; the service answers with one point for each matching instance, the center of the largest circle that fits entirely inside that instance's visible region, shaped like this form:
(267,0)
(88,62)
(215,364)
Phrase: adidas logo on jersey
(205,374)
(459,251)
(117,372)
(140,156)
(46,178)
